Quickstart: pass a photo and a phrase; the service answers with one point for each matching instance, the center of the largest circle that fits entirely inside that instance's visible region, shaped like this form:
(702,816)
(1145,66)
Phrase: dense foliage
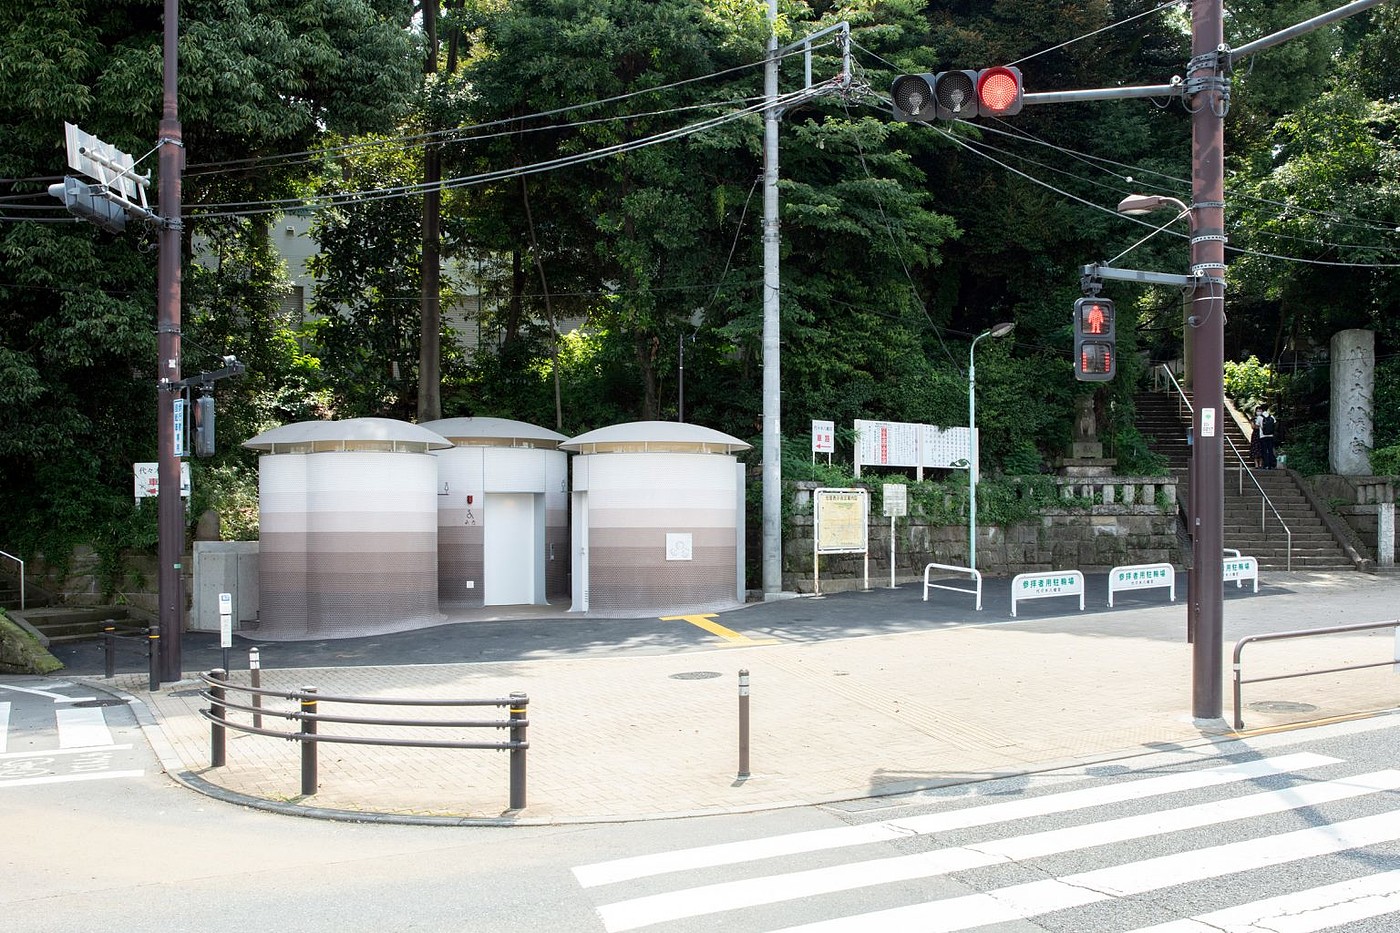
(593,238)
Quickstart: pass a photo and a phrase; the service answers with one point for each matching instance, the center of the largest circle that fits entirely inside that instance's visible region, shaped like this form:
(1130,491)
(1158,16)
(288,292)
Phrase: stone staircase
(1164,422)
(58,624)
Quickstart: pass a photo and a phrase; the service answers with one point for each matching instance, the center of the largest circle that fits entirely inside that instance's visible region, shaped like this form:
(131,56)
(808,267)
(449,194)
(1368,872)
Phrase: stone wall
(1093,539)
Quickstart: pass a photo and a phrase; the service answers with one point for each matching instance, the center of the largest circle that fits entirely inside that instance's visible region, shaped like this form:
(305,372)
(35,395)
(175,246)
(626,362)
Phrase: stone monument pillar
(1353,400)
(1085,451)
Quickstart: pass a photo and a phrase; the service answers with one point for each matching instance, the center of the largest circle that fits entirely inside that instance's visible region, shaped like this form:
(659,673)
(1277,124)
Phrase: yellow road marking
(707,622)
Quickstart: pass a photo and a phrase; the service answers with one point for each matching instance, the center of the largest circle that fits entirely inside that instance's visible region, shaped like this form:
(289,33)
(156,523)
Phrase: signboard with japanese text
(842,520)
(148,479)
(823,437)
(1141,577)
(1042,585)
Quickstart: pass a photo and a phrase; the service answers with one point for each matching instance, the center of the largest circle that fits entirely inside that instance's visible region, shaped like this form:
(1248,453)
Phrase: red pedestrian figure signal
(1095,358)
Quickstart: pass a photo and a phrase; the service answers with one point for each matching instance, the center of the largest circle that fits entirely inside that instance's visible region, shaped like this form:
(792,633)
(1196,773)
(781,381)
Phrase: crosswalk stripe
(4,725)
(82,727)
(1023,901)
(1324,908)
(751,892)
(54,752)
(732,853)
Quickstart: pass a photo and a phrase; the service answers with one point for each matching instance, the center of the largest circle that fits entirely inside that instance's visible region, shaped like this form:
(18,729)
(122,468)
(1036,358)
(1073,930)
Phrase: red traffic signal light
(1095,355)
(999,91)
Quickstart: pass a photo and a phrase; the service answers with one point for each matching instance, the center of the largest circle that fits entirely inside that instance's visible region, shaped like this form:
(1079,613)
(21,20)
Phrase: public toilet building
(658,519)
(349,518)
(502,513)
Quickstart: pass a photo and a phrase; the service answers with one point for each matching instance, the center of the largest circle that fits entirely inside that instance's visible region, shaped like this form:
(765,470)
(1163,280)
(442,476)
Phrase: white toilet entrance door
(510,549)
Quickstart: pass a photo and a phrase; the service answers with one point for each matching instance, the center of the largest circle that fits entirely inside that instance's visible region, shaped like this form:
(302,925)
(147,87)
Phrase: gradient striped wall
(632,501)
(348,544)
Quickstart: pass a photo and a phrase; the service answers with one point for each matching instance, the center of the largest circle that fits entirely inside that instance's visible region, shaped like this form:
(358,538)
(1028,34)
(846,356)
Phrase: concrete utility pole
(170,507)
(772,371)
(1208,95)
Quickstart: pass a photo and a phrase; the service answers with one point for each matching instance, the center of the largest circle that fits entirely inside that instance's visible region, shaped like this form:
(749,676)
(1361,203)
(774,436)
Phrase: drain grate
(696,675)
(87,704)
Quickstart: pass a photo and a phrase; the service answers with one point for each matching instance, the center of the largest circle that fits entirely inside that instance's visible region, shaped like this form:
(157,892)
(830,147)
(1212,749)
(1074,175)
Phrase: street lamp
(1135,205)
(973,454)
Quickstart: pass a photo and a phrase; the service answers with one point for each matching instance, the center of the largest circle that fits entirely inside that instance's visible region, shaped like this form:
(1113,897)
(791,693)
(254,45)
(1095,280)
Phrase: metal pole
(217,744)
(255,681)
(153,655)
(109,645)
(518,745)
(1208,104)
(169,505)
(680,378)
(308,746)
(772,381)
(973,453)
(743,724)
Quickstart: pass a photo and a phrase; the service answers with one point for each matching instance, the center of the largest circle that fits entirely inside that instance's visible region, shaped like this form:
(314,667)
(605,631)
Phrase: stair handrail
(21,577)
(1244,469)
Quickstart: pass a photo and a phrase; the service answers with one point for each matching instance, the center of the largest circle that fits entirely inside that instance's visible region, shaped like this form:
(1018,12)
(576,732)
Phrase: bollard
(518,746)
(153,654)
(308,746)
(255,681)
(216,709)
(743,723)
(110,646)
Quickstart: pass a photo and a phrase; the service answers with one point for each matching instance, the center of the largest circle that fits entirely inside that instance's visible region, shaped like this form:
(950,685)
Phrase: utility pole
(772,372)
(1208,95)
(170,506)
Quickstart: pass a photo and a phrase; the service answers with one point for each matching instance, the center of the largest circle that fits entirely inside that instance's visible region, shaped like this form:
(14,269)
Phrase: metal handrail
(21,577)
(217,685)
(1280,636)
(1244,469)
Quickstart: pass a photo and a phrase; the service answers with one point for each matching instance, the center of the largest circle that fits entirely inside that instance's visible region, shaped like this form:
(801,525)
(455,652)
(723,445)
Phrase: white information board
(887,443)
(823,437)
(1241,569)
(1141,577)
(148,479)
(225,620)
(841,525)
(946,448)
(1043,585)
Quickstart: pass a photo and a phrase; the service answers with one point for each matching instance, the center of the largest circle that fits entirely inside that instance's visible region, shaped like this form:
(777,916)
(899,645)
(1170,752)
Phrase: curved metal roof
(382,430)
(652,436)
(467,430)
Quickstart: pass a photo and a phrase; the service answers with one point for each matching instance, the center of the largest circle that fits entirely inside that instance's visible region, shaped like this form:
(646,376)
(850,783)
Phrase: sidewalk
(646,736)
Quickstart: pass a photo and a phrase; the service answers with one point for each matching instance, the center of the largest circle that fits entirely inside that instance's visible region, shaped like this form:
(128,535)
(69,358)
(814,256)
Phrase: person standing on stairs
(1268,427)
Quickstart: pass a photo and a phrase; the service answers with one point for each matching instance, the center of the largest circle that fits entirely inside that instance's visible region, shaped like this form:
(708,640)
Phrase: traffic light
(204,426)
(1095,356)
(999,91)
(958,95)
(913,98)
(82,200)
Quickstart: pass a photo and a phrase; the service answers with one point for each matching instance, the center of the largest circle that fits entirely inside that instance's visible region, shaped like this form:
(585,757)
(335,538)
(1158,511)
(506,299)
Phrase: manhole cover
(696,675)
(107,702)
(1282,706)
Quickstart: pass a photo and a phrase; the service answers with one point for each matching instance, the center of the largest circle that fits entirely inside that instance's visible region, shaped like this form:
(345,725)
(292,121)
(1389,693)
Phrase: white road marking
(732,853)
(1033,899)
(1328,907)
(751,892)
(4,725)
(46,753)
(56,697)
(69,778)
(82,728)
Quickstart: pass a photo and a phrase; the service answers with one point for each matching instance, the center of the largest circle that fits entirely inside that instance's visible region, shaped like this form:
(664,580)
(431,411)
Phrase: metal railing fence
(308,715)
(1281,636)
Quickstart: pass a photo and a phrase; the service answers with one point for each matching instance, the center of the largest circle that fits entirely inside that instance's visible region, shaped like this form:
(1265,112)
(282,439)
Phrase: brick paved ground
(649,736)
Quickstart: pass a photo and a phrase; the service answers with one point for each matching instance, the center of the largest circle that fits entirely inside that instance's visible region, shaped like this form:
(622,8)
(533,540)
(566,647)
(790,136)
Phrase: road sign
(148,479)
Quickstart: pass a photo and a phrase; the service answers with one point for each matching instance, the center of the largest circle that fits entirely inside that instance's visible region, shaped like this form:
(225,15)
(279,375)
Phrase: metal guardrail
(1280,636)
(1244,470)
(974,575)
(21,576)
(309,735)
(145,641)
